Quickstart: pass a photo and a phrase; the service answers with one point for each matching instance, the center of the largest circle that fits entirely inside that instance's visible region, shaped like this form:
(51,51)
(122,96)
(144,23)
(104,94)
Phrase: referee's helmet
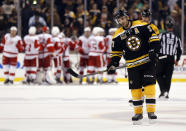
(169,22)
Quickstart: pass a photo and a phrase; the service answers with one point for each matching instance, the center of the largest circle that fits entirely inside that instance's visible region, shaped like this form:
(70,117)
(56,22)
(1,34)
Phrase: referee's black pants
(164,71)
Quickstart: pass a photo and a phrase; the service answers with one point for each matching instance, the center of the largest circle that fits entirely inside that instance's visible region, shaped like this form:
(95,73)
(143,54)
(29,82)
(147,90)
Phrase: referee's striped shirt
(170,44)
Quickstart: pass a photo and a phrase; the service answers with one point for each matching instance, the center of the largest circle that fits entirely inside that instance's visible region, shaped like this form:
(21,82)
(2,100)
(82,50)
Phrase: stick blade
(73,73)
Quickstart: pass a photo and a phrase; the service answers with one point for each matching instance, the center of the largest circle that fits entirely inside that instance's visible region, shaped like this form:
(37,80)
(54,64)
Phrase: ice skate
(99,81)
(114,82)
(58,81)
(81,81)
(137,119)
(6,81)
(11,82)
(164,96)
(131,102)
(24,82)
(152,117)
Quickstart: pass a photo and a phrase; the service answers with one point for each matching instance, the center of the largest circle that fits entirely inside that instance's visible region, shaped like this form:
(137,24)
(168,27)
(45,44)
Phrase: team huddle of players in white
(42,49)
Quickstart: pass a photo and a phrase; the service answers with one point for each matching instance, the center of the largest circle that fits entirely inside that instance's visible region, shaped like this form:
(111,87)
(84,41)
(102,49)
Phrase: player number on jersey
(149,27)
(136,31)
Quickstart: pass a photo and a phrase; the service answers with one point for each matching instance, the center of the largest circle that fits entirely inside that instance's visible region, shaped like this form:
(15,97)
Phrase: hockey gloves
(111,68)
(153,56)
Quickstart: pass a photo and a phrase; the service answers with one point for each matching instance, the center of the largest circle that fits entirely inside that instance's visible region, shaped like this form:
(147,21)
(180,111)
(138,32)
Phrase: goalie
(140,44)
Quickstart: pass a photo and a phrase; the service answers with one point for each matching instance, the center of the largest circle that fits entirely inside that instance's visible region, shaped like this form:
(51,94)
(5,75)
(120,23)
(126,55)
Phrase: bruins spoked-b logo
(133,43)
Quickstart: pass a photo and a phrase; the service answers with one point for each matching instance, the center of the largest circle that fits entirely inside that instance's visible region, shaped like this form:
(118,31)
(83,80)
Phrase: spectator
(3,23)
(36,19)
(26,13)
(12,21)
(8,7)
(57,21)
(95,14)
(68,17)
(104,23)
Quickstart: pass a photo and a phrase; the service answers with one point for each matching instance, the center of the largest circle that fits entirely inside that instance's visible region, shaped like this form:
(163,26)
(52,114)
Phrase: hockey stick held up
(73,73)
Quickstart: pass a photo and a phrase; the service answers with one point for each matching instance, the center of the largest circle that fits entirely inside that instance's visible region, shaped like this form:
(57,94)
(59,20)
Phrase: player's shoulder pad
(155,29)
(138,23)
(118,32)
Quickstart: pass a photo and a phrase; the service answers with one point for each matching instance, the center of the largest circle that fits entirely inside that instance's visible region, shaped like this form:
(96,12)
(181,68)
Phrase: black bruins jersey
(135,44)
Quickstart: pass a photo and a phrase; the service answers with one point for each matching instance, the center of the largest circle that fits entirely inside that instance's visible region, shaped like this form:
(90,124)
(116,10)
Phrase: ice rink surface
(84,108)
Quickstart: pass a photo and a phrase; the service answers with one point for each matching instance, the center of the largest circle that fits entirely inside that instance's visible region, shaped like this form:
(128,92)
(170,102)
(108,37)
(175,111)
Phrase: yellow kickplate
(17,79)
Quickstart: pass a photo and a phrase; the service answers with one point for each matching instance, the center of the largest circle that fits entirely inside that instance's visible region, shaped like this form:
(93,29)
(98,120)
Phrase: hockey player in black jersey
(146,17)
(140,44)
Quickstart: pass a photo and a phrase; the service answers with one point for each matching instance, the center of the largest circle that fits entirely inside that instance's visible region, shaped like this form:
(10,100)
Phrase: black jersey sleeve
(117,50)
(117,47)
(154,41)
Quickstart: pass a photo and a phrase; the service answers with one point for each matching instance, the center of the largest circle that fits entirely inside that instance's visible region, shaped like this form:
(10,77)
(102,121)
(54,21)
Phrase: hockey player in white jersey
(102,56)
(96,45)
(82,47)
(32,47)
(57,53)
(68,45)
(11,45)
(111,78)
(45,56)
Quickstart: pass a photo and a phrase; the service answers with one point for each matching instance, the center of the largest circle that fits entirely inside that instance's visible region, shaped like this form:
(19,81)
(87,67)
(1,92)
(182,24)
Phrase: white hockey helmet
(32,30)
(55,31)
(96,30)
(112,30)
(87,29)
(101,30)
(62,34)
(13,28)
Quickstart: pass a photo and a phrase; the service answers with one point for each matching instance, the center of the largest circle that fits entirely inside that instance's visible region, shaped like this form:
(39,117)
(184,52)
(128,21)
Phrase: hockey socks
(137,100)
(149,92)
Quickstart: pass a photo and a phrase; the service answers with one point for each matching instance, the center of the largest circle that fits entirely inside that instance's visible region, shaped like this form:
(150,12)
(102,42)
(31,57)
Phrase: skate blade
(139,122)
(152,121)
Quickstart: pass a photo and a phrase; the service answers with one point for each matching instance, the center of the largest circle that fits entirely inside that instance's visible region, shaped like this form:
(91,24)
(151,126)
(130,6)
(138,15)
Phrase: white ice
(84,108)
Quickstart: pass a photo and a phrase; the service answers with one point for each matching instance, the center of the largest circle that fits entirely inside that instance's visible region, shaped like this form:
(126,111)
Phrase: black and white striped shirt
(170,44)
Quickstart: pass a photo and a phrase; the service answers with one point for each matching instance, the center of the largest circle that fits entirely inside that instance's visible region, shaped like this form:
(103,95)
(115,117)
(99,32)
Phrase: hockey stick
(73,73)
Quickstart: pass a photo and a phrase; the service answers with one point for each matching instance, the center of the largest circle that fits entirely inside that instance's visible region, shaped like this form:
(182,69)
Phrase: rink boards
(179,74)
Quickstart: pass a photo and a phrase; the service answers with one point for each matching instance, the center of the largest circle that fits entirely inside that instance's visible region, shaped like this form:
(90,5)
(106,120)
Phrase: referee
(170,47)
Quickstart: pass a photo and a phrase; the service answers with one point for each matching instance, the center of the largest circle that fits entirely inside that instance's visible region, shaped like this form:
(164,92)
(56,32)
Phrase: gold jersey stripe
(129,61)
(152,40)
(136,65)
(117,52)
(116,55)
(154,34)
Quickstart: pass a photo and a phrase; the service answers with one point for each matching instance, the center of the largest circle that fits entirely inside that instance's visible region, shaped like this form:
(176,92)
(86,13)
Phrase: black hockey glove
(111,68)
(153,56)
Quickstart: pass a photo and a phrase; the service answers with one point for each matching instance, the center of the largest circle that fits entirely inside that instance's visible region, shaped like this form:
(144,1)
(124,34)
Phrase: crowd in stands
(69,14)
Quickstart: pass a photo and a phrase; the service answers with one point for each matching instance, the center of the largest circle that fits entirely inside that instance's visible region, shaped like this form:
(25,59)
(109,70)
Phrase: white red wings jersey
(57,46)
(32,46)
(11,45)
(68,43)
(96,45)
(108,43)
(47,45)
(82,46)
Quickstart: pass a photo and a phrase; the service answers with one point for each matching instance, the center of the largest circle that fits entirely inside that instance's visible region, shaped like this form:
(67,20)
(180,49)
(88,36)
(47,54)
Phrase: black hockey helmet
(169,22)
(146,13)
(119,14)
